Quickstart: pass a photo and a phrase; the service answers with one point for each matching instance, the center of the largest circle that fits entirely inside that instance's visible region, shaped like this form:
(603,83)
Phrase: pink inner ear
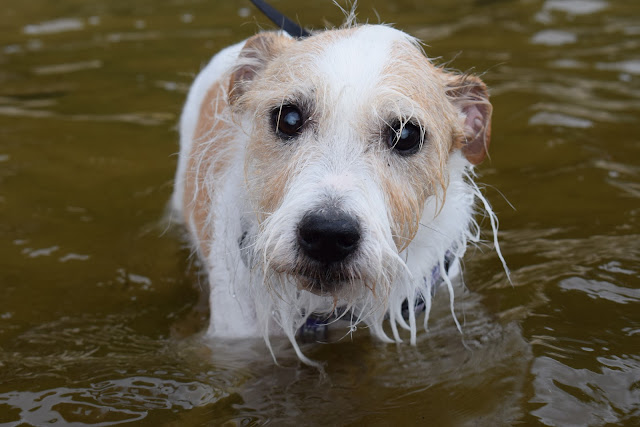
(474,122)
(477,129)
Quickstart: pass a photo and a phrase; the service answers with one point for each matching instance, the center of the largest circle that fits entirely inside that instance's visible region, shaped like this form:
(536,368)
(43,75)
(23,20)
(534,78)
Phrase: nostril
(308,235)
(329,236)
(348,238)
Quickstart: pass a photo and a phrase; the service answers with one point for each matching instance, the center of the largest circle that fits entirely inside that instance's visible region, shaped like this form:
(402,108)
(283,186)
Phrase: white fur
(248,299)
(218,66)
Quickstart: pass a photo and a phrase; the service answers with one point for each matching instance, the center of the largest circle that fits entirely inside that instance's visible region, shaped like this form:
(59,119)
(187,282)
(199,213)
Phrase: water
(100,305)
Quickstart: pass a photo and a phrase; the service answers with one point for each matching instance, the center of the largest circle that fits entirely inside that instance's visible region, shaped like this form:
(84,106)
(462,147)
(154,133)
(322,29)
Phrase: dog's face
(350,134)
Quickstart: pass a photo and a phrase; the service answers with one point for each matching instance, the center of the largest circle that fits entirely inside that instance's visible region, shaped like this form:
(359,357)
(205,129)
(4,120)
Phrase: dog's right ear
(253,58)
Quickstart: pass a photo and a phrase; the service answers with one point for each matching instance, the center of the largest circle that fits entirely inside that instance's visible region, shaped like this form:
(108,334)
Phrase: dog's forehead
(350,66)
(357,58)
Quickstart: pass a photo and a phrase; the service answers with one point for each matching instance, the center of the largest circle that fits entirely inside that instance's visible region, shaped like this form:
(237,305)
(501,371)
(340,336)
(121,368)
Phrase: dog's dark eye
(405,139)
(288,121)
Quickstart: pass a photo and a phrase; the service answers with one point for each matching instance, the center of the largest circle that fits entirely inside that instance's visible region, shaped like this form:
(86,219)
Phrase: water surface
(99,311)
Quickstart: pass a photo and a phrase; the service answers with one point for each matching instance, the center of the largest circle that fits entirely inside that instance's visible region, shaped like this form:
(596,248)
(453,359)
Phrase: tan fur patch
(210,155)
(423,175)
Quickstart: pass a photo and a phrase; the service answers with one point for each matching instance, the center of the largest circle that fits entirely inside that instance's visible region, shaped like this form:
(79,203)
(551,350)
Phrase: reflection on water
(112,375)
(588,397)
(55,26)
(107,402)
(100,304)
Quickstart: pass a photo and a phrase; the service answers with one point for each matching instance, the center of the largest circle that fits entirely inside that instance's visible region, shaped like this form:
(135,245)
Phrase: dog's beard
(293,288)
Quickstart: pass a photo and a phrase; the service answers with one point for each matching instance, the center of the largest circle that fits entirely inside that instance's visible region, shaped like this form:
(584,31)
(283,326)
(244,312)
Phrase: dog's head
(350,133)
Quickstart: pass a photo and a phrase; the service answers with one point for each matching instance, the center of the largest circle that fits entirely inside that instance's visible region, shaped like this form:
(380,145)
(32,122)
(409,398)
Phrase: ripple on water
(554,37)
(55,26)
(601,289)
(631,66)
(559,119)
(67,67)
(99,371)
(107,402)
(576,7)
(571,396)
(141,118)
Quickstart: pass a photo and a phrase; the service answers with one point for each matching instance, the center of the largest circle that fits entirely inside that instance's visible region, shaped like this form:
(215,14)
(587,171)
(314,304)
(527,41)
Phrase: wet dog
(329,178)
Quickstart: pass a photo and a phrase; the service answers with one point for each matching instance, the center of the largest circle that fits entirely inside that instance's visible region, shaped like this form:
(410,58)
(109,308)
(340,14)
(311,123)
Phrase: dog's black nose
(328,236)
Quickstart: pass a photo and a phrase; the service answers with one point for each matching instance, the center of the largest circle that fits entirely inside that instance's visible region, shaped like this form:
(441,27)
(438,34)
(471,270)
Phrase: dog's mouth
(324,284)
(323,279)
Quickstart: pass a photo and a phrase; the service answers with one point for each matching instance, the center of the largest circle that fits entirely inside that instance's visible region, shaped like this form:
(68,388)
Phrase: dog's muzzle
(328,236)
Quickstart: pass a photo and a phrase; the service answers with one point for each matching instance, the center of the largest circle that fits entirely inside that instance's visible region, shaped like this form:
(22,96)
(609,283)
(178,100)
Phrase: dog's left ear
(469,94)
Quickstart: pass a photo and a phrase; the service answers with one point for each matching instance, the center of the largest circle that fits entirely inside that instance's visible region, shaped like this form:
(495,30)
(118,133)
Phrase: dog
(330,178)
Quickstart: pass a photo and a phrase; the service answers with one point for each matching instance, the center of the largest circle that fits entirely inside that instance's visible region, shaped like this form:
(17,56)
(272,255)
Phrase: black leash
(290,27)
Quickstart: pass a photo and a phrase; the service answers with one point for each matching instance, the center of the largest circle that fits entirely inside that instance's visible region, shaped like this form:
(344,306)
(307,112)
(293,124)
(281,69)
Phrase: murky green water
(99,305)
